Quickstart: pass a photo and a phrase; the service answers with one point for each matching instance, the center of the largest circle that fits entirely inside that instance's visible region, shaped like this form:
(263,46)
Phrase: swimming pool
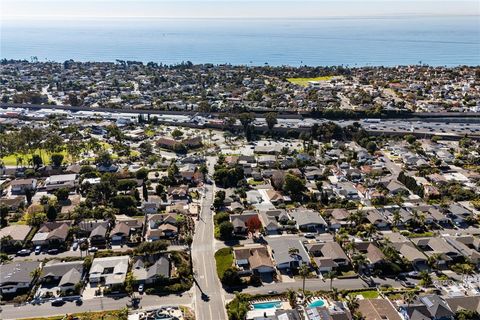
(317,303)
(267,305)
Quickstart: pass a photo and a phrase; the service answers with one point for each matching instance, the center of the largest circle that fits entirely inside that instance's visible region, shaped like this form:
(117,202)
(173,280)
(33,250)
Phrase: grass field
(304,81)
(11,160)
(369,294)
(224,260)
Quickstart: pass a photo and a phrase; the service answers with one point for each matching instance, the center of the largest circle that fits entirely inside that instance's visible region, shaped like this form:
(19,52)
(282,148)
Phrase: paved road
(97,304)
(319,284)
(77,253)
(209,298)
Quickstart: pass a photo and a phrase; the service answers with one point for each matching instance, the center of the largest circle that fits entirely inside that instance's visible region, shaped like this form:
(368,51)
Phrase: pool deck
(251,314)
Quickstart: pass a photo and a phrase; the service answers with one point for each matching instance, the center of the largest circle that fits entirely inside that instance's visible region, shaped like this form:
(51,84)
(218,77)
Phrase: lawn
(11,160)
(369,294)
(304,81)
(224,260)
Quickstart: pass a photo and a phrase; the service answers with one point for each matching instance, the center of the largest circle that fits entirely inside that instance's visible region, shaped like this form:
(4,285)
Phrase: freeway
(209,298)
(424,127)
(97,304)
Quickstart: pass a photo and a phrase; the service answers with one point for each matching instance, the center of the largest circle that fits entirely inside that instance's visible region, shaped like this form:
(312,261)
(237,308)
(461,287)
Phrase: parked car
(75,246)
(408,284)
(38,250)
(58,302)
(92,249)
(52,251)
(140,288)
(23,252)
(309,235)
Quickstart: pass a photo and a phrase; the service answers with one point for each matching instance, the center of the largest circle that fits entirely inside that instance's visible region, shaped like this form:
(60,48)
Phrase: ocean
(387,41)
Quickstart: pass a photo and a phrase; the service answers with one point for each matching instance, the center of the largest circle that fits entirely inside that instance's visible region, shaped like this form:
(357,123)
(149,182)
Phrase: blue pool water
(317,303)
(266,305)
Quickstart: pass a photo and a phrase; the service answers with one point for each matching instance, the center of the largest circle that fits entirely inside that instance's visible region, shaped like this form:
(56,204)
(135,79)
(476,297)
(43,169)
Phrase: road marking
(210,310)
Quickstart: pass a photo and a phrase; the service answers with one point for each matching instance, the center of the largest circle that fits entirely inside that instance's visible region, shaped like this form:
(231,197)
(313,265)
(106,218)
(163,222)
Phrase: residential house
(17,276)
(120,233)
(339,218)
(427,307)
(18,233)
(471,303)
(277,197)
(161,226)
(61,275)
(372,253)
(336,311)
(288,253)
(377,219)
(274,220)
(435,246)
(253,259)
(160,269)
(13,203)
(95,230)
(109,271)
(327,256)
(467,245)
(56,182)
(309,220)
(458,214)
(19,186)
(378,309)
(240,221)
(52,233)
(408,250)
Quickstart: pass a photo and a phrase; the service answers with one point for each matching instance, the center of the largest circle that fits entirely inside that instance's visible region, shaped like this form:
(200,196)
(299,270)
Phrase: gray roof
(17,272)
(161,267)
(280,247)
(55,268)
(72,277)
(307,216)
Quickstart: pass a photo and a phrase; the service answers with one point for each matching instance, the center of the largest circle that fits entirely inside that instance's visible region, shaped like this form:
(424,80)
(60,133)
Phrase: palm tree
(409,297)
(434,259)
(292,297)
(189,241)
(359,261)
(352,303)
(397,218)
(304,272)
(466,269)
(331,275)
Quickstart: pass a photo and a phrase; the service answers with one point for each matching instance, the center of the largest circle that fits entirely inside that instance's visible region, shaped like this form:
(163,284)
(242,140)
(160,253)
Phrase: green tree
(37,161)
(271,119)
(304,272)
(51,213)
(62,194)
(225,229)
(3,215)
(57,159)
(141,174)
(177,134)
(294,186)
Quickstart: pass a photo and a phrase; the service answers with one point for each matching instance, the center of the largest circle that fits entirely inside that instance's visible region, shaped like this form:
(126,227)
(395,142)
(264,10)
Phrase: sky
(78,9)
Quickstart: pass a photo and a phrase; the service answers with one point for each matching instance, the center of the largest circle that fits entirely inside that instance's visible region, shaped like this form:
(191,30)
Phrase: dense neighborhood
(330,221)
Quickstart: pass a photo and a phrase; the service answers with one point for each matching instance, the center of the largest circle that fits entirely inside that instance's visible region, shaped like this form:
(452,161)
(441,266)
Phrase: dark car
(23,252)
(52,251)
(58,302)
